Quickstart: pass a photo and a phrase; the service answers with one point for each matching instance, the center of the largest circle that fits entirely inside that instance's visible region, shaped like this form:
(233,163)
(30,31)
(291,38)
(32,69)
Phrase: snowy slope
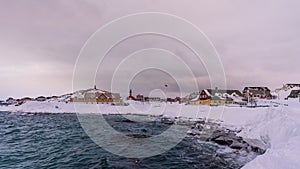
(281,129)
(284,93)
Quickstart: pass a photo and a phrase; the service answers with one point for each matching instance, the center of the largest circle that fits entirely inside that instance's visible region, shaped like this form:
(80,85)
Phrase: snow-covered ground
(278,127)
(281,129)
(233,115)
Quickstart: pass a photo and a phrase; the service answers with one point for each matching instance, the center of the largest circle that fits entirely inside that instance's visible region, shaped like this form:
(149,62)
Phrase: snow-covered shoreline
(278,127)
(281,129)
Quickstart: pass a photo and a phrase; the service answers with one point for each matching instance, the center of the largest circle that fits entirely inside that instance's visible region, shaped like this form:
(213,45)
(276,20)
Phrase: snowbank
(40,107)
(280,128)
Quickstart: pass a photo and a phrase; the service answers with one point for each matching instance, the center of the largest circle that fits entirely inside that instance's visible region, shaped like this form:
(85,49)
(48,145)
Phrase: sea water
(58,141)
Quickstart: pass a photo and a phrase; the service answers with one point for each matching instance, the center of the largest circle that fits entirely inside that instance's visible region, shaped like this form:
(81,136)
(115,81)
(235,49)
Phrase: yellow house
(217,101)
(104,98)
(206,102)
(93,96)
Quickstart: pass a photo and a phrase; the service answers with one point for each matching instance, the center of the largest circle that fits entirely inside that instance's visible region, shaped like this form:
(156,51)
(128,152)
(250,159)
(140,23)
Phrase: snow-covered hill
(49,99)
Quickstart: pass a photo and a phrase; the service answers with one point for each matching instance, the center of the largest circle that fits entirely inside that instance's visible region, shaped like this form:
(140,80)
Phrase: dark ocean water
(58,141)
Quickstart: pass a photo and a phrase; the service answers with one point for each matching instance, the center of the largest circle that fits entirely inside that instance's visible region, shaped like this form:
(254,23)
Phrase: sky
(257,41)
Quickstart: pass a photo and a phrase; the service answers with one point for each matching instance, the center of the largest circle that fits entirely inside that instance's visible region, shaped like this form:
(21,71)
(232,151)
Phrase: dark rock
(257,146)
(239,145)
(138,135)
(227,137)
(167,121)
(194,132)
(125,121)
(223,140)
(258,150)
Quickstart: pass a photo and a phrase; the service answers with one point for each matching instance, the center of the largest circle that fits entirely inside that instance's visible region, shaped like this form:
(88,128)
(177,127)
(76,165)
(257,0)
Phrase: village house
(3,103)
(171,100)
(215,97)
(217,101)
(294,94)
(140,98)
(257,92)
(41,98)
(27,99)
(206,93)
(185,100)
(97,96)
(292,85)
(192,98)
(54,97)
(11,101)
(176,99)
(152,99)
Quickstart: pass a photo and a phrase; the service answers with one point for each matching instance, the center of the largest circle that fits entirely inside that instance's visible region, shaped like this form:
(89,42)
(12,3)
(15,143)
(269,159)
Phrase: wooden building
(215,97)
(294,94)
(97,96)
(257,92)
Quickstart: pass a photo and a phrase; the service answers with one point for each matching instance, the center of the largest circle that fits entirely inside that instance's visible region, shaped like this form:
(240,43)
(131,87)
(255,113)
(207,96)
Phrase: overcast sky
(258,41)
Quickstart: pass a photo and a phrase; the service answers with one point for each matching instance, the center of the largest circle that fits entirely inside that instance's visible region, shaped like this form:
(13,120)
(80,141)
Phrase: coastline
(276,127)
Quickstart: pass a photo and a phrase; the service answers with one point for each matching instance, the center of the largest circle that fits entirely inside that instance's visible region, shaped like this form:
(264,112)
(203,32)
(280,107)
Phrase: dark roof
(260,92)
(293,84)
(215,98)
(229,92)
(257,88)
(111,95)
(40,97)
(27,98)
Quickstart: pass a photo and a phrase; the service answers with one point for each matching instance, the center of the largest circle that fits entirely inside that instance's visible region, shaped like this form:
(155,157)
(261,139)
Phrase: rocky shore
(214,132)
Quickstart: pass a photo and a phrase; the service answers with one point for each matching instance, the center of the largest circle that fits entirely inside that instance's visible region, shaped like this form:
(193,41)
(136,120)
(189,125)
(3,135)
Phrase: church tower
(130,97)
